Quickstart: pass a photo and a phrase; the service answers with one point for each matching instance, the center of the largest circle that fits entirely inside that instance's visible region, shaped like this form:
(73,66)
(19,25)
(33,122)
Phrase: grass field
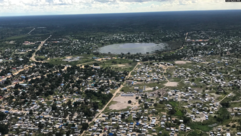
(199,126)
(16,37)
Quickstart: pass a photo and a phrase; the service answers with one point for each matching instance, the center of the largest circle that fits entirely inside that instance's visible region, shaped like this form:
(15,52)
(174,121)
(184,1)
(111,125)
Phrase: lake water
(133,48)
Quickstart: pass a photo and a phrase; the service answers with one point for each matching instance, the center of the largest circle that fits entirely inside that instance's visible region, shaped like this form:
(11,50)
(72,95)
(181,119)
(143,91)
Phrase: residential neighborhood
(54,80)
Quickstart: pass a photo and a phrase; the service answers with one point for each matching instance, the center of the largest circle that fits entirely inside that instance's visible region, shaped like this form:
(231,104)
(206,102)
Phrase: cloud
(39,7)
(104,1)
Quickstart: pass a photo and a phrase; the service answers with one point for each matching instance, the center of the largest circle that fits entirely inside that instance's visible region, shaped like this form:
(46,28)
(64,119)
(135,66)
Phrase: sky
(56,7)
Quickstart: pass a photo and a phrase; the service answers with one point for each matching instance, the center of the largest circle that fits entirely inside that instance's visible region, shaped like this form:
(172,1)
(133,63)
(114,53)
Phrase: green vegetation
(197,133)
(176,109)
(17,37)
(200,126)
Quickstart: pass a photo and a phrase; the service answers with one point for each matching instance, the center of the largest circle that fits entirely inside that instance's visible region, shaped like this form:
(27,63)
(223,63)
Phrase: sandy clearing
(149,89)
(182,62)
(103,59)
(163,66)
(99,59)
(119,65)
(122,102)
(68,57)
(171,84)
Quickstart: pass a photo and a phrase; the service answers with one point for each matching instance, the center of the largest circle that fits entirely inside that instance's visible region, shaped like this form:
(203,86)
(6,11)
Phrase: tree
(95,106)
(172,111)
(155,104)
(31,112)
(69,103)
(54,106)
(3,129)
(85,126)
(186,120)
(146,106)
(16,92)
(2,116)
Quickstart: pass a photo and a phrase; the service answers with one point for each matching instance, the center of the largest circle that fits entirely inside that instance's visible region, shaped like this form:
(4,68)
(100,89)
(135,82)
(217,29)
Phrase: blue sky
(54,7)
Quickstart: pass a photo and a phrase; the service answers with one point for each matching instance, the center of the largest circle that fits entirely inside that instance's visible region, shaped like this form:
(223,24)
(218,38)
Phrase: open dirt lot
(68,57)
(149,89)
(120,65)
(163,66)
(102,59)
(182,62)
(122,103)
(171,84)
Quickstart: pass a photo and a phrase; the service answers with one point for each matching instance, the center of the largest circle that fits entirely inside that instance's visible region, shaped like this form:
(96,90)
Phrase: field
(182,62)
(171,84)
(121,103)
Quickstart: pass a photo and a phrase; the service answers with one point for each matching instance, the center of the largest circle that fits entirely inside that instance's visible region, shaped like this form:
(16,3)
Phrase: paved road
(116,92)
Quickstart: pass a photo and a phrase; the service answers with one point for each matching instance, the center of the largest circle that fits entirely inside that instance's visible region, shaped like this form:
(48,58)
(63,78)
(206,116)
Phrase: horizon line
(118,13)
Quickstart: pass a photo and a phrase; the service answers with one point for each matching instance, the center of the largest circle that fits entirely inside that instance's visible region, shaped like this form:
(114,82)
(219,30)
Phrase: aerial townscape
(135,74)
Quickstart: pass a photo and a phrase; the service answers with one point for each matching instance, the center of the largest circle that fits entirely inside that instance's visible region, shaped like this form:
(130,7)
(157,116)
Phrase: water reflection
(133,48)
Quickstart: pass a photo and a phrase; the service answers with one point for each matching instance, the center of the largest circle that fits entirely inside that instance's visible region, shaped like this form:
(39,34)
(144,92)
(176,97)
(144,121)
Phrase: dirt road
(16,73)
(132,70)
(225,97)
(39,47)
(114,95)
(186,36)
(165,71)
(31,31)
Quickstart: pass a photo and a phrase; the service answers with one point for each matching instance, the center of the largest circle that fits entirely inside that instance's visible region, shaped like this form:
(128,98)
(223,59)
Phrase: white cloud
(39,7)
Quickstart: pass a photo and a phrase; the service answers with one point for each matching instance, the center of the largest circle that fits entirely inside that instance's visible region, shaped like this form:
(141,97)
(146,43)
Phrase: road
(165,68)
(31,31)
(15,73)
(32,58)
(186,36)
(165,71)
(225,97)
(39,47)
(133,70)
(114,95)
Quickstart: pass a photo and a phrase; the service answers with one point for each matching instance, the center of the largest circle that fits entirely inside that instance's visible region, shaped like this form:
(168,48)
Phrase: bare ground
(182,62)
(171,84)
(68,57)
(149,89)
(122,103)
(119,65)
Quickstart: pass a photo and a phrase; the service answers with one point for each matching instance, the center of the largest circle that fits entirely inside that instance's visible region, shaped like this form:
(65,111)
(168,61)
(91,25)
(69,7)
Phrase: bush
(3,129)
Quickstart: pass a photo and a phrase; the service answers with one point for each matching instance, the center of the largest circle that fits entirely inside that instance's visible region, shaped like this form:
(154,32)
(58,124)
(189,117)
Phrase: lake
(133,48)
